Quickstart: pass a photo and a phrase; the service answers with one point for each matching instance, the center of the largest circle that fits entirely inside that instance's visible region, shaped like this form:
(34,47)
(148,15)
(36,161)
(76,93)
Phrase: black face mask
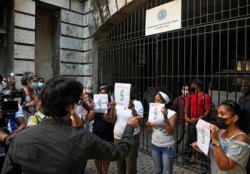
(221,123)
(192,89)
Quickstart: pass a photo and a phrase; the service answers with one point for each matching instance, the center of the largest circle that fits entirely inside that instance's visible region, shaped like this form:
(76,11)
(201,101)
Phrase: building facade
(101,41)
(56,37)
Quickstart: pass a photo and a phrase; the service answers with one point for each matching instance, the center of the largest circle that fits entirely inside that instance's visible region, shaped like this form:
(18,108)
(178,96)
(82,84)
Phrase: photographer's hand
(8,139)
(32,103)
(3,136)
(12,82)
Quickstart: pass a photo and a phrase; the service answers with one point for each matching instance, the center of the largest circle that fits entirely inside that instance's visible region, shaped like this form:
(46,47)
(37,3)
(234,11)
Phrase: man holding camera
(8,84)
(11,120)
(54,146)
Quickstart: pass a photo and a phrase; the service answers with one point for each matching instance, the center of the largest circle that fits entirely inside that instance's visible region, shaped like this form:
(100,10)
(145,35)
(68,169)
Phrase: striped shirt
(178,107)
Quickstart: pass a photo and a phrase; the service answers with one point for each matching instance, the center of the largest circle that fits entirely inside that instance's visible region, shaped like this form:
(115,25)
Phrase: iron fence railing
(213,38)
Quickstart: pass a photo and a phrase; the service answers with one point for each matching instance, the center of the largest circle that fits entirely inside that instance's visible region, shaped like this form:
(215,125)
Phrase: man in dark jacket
(54,146)
(244,102)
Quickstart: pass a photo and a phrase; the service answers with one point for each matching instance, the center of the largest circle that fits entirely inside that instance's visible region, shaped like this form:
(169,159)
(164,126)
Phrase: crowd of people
(56,125)
(229,148)
(60,112)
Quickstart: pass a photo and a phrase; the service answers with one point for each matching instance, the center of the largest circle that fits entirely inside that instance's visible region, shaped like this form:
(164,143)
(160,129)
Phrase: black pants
(1,162)
(248,166)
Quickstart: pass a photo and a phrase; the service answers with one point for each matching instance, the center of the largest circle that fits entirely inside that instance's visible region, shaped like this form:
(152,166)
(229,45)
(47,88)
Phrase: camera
(9,105)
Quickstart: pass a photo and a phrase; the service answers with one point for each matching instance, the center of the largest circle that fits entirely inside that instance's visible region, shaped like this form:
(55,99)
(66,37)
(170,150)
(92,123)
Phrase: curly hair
(57,93)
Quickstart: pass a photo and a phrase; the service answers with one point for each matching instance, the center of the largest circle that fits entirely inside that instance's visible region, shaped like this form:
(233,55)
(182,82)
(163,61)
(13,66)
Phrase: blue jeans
(163,158)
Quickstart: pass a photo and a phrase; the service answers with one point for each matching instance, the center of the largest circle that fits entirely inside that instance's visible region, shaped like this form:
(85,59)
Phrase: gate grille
(213,38)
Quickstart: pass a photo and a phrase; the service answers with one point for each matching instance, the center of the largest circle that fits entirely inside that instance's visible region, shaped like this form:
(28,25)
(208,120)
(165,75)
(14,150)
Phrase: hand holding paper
(155,113)
(203,135)
(122,94)
(101,101)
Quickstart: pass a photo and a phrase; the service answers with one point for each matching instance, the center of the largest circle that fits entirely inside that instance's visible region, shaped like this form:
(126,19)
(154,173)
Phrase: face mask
(34,85)
(40,84)
(89,91)
(184,92)
(192,89)
(221,123)
(3,84)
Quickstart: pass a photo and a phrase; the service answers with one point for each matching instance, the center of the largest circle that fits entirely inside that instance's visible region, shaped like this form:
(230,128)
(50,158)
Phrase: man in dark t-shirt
(244,102)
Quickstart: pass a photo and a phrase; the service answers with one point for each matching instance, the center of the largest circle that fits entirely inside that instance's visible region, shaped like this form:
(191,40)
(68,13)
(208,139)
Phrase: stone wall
(82,23)
(73,46)
(105,14)
(24,37)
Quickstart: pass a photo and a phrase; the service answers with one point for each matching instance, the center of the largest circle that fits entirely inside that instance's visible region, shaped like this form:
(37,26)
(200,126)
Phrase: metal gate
(213,40)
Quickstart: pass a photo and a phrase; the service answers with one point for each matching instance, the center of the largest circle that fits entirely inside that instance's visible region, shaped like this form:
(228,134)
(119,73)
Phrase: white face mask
(184,92)
(2,86)
(89,91)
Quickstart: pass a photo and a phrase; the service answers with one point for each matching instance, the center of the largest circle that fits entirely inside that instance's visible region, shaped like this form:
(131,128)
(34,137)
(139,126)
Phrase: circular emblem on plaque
(162,14)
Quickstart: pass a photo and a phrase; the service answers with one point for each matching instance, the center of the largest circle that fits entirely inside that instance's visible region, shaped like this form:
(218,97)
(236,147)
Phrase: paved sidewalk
(144,166)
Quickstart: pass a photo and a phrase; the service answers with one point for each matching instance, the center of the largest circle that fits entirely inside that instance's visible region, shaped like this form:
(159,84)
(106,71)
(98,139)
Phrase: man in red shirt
(197,106)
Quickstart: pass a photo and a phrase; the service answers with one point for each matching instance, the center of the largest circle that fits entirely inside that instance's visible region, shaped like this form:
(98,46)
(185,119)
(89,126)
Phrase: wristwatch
(216,143)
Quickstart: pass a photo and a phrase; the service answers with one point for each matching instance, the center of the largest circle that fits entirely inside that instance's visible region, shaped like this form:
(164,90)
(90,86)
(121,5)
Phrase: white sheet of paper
(203,135)
(122,93)
(155,115)
(101,103)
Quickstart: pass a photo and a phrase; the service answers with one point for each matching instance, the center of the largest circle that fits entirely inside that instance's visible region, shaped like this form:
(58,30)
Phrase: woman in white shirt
(163,148)
(120,115)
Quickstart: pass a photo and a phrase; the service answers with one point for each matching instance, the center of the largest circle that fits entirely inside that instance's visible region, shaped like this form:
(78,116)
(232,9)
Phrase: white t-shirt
(122,116)
(160,136)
